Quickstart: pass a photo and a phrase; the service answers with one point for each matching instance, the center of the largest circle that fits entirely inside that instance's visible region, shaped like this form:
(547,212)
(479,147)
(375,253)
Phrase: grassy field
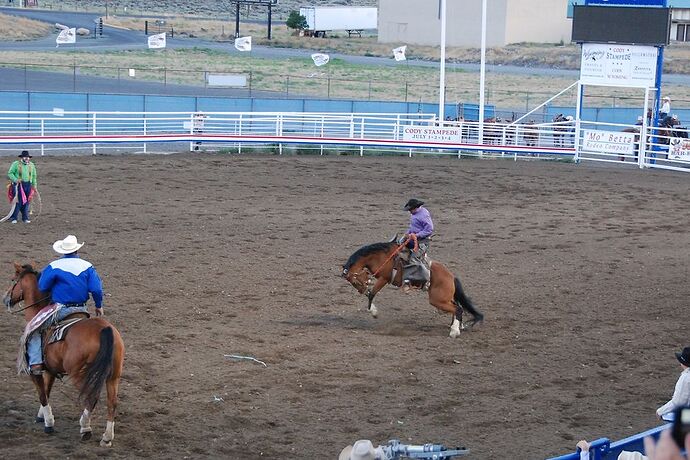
(16,29)
(338,79)
(299,76)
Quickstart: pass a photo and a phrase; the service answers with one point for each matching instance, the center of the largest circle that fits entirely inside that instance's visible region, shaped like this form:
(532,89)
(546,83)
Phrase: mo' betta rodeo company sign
(608,142)
(431,134)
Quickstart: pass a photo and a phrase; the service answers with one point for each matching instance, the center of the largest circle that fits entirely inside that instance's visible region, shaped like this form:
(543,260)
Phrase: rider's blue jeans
(33,346)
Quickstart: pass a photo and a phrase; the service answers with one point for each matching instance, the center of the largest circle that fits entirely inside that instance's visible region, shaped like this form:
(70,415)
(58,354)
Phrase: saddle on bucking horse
(412,268)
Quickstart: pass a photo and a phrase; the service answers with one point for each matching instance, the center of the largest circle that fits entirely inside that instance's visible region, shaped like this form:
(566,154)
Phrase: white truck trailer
(322,19)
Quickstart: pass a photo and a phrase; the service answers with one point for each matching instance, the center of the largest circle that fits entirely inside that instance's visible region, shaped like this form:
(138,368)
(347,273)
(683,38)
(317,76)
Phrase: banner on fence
(608,142)
(66,36)
(618,65)
(157,41)
(430,133)
(679,149)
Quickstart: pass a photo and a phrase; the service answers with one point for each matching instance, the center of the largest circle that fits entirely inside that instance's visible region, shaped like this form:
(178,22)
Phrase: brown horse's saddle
(402,269)
(59,331)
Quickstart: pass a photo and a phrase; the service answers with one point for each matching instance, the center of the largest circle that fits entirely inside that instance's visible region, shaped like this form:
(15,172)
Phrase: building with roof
(508,21)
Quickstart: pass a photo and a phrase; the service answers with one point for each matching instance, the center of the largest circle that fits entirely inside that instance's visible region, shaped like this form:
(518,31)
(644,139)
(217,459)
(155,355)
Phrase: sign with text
(608,142)
(679,149)
(431,134)
(618,65)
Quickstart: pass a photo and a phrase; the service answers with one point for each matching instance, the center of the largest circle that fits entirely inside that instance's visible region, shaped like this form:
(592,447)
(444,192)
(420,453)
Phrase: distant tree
(296,21)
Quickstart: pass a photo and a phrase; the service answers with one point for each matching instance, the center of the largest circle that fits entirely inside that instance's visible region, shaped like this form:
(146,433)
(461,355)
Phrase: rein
(28,306)
(397,250)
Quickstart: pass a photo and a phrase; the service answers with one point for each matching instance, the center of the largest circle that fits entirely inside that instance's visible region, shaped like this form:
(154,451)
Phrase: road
(114,39)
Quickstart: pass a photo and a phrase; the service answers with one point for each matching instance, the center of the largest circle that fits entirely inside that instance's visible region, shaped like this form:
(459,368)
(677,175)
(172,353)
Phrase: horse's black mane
(365,251)
(28,268)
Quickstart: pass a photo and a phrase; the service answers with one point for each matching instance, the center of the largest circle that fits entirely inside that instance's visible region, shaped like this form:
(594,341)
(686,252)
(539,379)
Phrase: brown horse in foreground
(373,264)
(91,354)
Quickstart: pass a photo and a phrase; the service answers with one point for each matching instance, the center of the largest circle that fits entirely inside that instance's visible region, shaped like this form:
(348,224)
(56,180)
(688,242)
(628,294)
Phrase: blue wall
(23,101)
(75,102)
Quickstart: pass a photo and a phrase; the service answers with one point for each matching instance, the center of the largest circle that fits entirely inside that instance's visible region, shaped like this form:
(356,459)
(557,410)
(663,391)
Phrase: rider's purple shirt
(420,223)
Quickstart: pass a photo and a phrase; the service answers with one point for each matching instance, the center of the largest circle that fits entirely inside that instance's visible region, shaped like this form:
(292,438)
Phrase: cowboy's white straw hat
(68,245)
(362,450)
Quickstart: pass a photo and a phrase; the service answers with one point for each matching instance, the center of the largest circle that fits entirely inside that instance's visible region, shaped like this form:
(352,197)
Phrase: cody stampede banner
(430,133)
(618,65)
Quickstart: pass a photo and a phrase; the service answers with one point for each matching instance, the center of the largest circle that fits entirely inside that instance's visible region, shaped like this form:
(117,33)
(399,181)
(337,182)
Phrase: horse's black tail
(99,371)
(461,299)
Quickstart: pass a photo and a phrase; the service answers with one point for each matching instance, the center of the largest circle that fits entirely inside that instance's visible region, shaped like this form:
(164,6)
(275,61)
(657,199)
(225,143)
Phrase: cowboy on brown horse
(416,269)
(70,280)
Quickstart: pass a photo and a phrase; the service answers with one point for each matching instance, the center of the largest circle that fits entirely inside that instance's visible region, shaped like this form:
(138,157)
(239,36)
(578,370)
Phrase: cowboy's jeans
(416,268)
(21,205)
(33,346)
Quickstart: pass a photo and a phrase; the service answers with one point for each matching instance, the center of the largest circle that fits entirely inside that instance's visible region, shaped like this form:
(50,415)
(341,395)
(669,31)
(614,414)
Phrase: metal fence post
(93,132)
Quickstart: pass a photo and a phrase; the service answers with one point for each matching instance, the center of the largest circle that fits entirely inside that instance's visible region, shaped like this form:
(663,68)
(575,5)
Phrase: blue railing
(604,449)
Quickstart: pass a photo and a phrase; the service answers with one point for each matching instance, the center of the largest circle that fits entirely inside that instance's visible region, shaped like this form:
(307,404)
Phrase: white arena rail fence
(100,132)
(639,145)
(59,132)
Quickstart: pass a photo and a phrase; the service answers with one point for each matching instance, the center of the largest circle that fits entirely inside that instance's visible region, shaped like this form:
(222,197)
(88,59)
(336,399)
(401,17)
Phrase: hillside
(199,8)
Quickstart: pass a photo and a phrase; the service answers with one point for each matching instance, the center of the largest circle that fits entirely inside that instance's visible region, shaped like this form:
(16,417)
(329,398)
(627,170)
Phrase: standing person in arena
(198,121)
(681,393)
(22,174)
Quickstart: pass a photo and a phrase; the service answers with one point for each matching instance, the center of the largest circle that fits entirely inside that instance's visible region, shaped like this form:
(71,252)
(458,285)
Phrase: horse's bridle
(8,296)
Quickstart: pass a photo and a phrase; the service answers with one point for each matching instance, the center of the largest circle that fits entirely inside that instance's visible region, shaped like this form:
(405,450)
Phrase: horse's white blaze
(85,422)
(455,328)
(374,311)
(48,419)
(109,434)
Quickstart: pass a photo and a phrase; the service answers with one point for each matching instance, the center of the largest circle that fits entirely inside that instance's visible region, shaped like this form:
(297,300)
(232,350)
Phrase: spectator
(666,448)
(681,393)
(583,446)
(665,109)
(361,450)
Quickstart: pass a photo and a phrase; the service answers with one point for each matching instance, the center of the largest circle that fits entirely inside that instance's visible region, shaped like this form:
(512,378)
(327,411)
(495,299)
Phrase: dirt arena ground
(581,271)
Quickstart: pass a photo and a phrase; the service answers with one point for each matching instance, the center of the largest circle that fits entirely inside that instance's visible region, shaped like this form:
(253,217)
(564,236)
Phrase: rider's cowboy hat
(412,204)
(362,450)
(68,245)
(684,356)
(25,154)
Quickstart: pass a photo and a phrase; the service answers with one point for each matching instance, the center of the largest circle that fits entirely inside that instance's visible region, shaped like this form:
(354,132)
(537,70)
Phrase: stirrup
(36,369)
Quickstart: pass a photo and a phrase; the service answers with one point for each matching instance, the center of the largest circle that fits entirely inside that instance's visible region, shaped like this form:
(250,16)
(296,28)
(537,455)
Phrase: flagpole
(442,73)
(482,74)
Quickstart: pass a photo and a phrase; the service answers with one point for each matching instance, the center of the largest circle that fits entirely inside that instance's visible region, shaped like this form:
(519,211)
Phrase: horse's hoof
(48,429)
(40,420)
(106,443)
(86,436)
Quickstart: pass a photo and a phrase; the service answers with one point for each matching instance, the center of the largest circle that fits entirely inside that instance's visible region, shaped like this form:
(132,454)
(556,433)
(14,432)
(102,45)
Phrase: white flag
(243,43)
(66,36)
(399,53)
(157,41)
(320,59)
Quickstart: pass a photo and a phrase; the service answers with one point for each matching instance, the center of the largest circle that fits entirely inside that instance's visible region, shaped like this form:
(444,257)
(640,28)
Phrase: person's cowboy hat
(412,204)
(68,245)
(361,450)
(25,154)
(666,98)
(684,356)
